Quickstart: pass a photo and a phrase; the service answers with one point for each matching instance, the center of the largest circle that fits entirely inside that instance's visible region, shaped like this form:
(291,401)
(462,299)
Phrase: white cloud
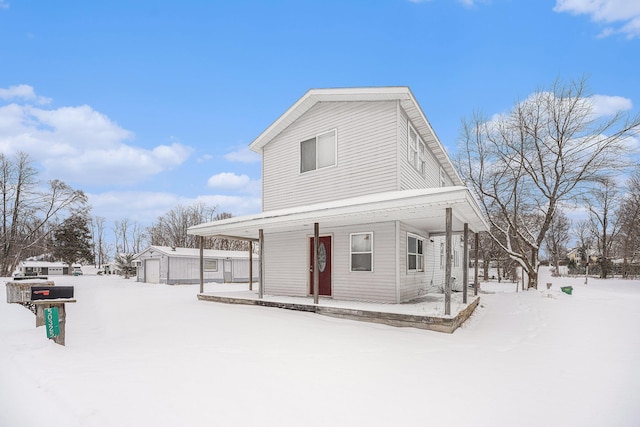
(625,14)
(604,105)
(228,181)
(4,4)
(231,182)
(242,155)
(80,144)
(235,205)
(25,92)
(145,207)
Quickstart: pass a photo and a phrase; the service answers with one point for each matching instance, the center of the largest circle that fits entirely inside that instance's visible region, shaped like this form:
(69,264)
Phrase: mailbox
(51,292)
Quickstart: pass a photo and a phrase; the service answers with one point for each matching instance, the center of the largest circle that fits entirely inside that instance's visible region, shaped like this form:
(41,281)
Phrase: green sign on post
(52,322)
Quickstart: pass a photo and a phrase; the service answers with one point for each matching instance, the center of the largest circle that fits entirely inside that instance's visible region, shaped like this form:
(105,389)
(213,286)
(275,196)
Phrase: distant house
(171,266)
(575,255)
(364,165)
(44,268)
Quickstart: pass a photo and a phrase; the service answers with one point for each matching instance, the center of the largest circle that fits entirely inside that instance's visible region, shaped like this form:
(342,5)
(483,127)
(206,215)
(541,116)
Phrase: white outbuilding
(172,266)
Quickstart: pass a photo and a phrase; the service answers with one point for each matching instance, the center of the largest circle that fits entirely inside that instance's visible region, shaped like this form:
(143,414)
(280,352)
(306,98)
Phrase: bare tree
(548,149)
(603,204)
(629,217)
(557,238)
(28,209)
(170,229)
(99,246)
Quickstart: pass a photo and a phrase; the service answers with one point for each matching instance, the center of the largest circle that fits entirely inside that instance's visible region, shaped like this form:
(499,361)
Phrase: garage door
(152,271)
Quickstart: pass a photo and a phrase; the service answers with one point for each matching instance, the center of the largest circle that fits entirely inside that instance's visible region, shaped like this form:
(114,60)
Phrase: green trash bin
(567,289)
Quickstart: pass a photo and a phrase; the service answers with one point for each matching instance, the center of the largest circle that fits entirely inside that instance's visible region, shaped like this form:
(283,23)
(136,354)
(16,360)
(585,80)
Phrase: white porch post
(477,255)
(261,269)
(447,263)
(465,260)
(201,264)
(250,265)
(316,270)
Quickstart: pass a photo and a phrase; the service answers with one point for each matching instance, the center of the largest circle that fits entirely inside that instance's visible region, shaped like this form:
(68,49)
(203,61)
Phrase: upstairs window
(417,151)
(318,152)
(415,253)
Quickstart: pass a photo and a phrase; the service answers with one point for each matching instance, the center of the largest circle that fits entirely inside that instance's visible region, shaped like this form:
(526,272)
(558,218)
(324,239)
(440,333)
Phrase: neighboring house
(366,166)
(575,255)
(44,268)
(163,264)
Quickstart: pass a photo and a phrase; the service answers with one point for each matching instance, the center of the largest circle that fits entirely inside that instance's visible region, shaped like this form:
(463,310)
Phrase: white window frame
(210,264)
(416,150)
(351,252)
(335,153)
(420,244)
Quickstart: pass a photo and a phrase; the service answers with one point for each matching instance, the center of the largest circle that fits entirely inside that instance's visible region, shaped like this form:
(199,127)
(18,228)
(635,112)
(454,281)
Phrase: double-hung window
(415,253)
(362,251)
(318,152)
(417,151)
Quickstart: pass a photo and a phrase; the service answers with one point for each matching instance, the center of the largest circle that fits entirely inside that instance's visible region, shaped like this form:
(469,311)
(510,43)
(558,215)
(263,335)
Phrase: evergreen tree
(72,241)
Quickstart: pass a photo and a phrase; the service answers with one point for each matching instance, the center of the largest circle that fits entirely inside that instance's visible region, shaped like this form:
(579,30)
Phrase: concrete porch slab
(425,313)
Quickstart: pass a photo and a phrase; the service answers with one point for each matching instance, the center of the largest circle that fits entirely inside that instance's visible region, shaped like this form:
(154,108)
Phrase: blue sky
(148,104)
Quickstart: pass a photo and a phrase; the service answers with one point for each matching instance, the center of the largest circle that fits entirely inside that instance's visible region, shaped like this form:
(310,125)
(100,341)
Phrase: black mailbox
(51,292)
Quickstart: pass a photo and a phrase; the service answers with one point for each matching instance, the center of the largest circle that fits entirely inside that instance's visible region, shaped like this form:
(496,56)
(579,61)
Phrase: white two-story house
(364,165)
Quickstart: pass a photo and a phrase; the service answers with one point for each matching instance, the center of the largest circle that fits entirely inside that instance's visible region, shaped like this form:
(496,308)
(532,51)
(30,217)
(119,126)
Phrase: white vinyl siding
(365,155)
(424,171)
(286,263)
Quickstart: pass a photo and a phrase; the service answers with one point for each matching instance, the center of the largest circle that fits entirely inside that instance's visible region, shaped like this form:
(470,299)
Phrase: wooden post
(447,263)
(465,258)
(316,270)
(477,255)
(250,265)
(201,264)
(261,268)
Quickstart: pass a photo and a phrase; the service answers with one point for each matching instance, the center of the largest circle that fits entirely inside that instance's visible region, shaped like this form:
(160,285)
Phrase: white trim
(397,263)
(425,204)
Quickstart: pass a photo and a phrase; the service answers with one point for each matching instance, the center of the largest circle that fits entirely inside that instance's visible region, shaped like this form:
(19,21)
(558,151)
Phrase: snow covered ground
(152,355)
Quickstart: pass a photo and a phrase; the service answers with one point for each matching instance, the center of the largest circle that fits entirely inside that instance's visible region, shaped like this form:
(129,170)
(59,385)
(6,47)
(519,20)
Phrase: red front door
(324,265)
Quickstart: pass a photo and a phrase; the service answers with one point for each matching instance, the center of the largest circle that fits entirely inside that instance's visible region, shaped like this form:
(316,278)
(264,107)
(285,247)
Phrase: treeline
(52,222)
(31,211)
(551,154)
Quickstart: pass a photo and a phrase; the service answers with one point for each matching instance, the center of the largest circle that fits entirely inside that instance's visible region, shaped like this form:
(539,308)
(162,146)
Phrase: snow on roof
(425,207)
(195,253)
(394,93)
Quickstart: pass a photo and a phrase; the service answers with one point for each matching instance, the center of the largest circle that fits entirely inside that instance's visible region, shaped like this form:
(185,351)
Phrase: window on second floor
(417,151)
(318,152)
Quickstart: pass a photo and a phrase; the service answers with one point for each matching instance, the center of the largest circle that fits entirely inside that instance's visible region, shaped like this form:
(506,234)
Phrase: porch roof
(422,208)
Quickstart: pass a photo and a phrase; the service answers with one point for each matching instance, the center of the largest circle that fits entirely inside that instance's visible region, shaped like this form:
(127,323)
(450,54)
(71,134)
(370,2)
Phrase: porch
(426,312)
